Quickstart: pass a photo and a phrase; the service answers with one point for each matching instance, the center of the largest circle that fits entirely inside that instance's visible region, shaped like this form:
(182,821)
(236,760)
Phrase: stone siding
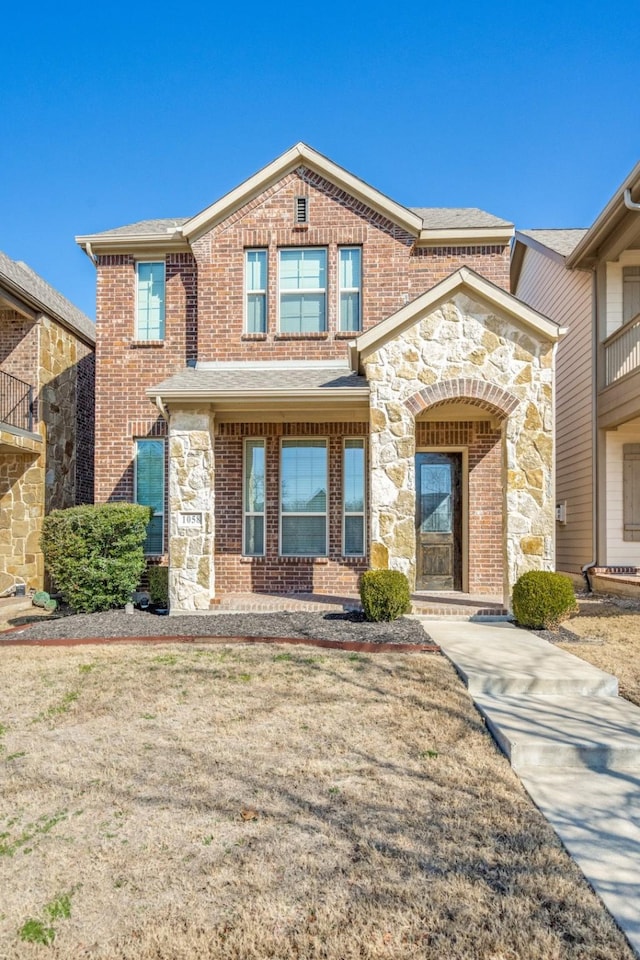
(464,341)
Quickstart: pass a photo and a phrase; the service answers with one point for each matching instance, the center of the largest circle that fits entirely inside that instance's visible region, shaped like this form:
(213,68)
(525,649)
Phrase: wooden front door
(438,521)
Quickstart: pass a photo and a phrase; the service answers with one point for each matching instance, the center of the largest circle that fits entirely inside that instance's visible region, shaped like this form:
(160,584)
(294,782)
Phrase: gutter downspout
(594,435)
(628,202)
(164,413)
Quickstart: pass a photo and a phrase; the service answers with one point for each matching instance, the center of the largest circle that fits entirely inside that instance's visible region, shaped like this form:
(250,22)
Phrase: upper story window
(630,293)
(350,282)
(150,295)
(255,272)
(303,290)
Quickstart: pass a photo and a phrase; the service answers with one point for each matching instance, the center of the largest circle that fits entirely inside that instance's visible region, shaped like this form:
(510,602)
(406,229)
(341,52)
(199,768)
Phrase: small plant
(542,600)
(384,594)
(95,553)
(34,931)
(159,586)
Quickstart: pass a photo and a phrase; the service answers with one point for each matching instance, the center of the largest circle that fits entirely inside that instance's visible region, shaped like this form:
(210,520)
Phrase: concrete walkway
(572,741)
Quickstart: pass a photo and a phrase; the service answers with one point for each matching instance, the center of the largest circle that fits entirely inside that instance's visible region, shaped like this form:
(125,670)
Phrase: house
(307,379)
(589,281)
(46,416)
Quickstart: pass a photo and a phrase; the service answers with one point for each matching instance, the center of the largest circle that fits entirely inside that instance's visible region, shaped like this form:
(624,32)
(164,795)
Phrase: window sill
(302,336)
(253,336)
(347,334)
(145,344)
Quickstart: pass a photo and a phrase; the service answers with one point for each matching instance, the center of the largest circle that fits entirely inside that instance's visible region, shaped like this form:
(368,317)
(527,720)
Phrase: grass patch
(35,931)
(296,815)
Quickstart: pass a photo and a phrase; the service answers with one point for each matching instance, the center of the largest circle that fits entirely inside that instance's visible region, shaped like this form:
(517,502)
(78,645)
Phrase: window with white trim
(255,272)
(303,498)
(254,498)
(149,490)
(302,278)
(350,286)
(353,486)
(630,293)
(150,297)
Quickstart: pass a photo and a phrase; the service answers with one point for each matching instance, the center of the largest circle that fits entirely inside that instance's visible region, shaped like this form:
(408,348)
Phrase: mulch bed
(344,631)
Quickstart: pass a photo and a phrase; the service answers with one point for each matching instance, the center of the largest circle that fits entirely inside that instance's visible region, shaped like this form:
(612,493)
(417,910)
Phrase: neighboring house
(307,379)
(46,416)
(589,281)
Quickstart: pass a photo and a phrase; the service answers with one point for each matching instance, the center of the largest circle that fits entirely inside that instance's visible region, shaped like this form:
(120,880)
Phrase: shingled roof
(561,240)
(259,379)
(23,282)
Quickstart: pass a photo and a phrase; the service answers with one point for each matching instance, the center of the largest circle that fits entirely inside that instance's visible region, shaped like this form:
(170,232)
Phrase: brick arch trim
(479,393)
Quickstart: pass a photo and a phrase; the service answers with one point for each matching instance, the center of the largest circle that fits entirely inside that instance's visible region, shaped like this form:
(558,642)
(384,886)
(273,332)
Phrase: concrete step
(14,607)
(565,733)
(500,660)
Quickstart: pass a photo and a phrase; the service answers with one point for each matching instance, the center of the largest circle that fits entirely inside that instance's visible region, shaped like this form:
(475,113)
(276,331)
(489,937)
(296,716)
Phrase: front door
(438,521)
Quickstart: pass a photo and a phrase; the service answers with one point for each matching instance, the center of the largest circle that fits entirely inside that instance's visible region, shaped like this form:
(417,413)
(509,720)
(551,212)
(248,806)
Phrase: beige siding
(565,296)
(620,552)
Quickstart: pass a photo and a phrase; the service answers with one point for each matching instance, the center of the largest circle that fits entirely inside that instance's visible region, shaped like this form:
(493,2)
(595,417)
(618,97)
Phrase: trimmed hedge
(95,553)
(542,600)
(159,585)
(384,594)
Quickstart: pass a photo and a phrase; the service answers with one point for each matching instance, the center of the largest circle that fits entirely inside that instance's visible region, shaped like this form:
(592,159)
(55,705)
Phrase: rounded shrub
(542,600)
(384,594)
(95,553)
(159,585)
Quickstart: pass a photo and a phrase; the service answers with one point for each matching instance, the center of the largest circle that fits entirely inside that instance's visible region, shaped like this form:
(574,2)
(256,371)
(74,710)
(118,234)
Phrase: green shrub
(95,554)
(384,595)
(542,600)
(159,586)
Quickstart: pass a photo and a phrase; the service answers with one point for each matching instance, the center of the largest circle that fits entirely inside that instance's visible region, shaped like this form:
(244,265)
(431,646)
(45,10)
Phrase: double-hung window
(150,295)
(350,285)
(255,271)
(254,476)
(149,489)
(353,482)
(303,290)
(303,498)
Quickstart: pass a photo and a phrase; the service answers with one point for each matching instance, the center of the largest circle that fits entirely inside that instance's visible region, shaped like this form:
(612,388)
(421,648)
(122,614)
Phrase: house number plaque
(191,521)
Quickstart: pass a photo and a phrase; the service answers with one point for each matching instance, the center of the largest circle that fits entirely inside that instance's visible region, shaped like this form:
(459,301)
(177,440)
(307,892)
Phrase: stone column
(393,445)
(191,513)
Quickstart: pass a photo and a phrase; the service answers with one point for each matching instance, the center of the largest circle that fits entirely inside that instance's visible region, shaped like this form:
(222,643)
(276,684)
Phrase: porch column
(392,495)
(191,512)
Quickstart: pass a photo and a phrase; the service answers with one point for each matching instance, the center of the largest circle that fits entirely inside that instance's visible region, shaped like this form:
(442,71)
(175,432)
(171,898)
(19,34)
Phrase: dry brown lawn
(192,802)
(612,631)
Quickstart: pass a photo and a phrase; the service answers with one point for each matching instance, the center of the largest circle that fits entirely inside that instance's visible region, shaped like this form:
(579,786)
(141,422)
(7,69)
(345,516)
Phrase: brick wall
(271,573)
(126,367)
(483,442)
(19,346)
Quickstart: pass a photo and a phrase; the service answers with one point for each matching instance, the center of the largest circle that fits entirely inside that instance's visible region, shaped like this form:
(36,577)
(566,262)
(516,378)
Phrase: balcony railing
(622,351)
(16,402)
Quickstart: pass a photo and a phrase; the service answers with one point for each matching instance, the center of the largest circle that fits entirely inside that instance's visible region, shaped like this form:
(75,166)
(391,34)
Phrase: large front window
(303,290)
(303,498)
(150,284)
(149,489)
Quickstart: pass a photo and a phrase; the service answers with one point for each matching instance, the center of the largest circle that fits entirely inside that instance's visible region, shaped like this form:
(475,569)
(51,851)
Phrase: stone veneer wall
(191,485)
(464,339)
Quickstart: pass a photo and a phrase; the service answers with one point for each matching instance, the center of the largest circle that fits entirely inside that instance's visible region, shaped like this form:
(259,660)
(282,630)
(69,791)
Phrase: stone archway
(478,393)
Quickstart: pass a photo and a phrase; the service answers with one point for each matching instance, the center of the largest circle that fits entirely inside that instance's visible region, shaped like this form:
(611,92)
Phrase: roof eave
(586,252)
(202,394)
(134,243)
(35,304)
(466,236)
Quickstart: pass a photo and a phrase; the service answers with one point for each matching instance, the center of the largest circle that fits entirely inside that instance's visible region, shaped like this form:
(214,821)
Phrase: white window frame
(304,290)
(138,335)
(156,513)
(355,513)
(326,514)
(342,290)
(264,293)
(253,513)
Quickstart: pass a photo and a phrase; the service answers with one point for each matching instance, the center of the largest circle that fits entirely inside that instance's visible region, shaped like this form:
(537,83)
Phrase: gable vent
(301,214)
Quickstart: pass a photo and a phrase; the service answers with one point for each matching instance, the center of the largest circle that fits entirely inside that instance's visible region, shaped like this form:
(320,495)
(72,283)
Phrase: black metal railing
(16,402)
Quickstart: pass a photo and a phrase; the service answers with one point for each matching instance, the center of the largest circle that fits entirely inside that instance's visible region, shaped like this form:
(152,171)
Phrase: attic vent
(301,214)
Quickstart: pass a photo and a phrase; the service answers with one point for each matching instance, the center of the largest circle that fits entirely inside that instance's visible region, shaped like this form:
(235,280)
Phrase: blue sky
(115,113)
